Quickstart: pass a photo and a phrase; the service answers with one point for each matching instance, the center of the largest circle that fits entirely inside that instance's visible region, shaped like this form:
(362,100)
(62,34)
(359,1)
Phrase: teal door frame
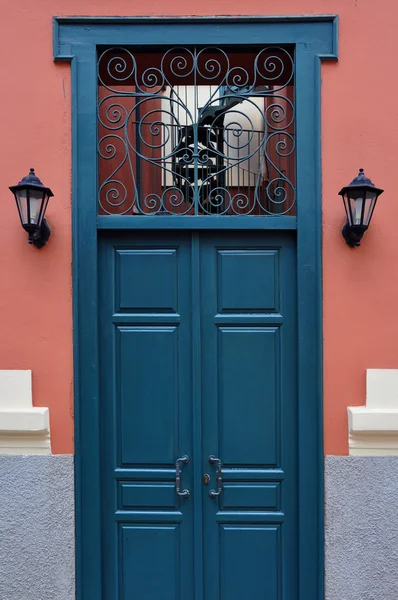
(76,40)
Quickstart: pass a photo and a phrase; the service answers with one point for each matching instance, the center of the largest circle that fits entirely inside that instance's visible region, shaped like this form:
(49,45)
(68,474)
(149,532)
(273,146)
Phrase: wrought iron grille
(196,131)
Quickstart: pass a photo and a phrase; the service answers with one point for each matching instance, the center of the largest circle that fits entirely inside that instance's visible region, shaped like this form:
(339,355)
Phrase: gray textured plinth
(37,528)
(361,546)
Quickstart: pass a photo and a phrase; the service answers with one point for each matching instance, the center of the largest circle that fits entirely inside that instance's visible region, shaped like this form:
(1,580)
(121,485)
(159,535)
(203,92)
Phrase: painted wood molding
(24,429)
(373,429)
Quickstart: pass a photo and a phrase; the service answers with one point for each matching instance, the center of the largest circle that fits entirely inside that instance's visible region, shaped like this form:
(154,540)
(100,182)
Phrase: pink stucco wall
(360,129)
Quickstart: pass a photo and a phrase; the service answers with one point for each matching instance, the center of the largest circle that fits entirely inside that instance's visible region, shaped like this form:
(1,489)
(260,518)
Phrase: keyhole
(206,479)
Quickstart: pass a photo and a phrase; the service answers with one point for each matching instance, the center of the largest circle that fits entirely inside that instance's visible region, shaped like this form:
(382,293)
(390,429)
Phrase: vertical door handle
(184,460)
(213,460)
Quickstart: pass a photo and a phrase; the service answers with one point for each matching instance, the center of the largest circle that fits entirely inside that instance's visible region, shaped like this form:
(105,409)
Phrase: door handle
(184,493)
(213,460)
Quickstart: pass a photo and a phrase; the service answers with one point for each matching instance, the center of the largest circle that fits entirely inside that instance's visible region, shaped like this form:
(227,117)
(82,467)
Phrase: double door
(198,412)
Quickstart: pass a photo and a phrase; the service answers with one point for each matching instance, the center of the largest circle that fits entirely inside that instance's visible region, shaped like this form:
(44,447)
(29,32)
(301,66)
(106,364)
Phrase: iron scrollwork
(196,131)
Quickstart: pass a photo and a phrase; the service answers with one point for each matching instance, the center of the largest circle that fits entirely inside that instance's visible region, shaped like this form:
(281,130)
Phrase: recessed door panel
(260,290)
(251,496)
(143,495)
(249,562)
(149,404)
(147,279)
(249,403)
(151,562)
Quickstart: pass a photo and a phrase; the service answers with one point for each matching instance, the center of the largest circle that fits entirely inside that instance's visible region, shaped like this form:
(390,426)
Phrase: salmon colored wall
(360,129)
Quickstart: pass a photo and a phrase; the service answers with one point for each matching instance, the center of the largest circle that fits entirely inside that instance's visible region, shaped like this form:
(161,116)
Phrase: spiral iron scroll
(160,154)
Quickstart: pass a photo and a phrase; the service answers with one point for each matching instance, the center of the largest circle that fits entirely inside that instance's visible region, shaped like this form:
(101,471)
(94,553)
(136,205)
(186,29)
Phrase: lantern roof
(361,181)
(31,181)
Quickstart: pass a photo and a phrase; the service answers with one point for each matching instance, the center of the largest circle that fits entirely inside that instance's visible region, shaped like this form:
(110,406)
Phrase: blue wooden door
(146,417)
(249,416)
(198,395)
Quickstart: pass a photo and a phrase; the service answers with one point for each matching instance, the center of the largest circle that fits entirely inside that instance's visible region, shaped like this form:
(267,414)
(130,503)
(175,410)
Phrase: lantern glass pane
(347,208)
(358,204)
(36,201)
(371,198)
(44,207)
(22,203)
(351,210)
(355,202)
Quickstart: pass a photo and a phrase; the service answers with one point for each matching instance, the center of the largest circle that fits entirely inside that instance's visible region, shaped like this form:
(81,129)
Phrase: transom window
(196,131)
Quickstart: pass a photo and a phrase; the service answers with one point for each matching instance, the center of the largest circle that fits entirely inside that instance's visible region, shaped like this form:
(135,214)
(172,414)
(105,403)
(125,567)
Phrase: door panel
(146,416)
(249,415)
(154,286)
(259,293)
(254,496)
(247,359)
(249,562)
(154,572)
(148,400)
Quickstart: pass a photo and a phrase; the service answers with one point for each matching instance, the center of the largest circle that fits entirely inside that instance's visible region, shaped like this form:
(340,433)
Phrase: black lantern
(359,198)
(32,198)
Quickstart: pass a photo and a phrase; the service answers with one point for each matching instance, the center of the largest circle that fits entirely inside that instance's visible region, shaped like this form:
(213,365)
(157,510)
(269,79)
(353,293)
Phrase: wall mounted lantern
(359,198)
(32,198)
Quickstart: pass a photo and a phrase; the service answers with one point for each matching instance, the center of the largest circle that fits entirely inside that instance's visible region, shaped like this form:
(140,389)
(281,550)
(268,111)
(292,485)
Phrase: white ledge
(373,429)
(24,429)
(366,420)
(29,420)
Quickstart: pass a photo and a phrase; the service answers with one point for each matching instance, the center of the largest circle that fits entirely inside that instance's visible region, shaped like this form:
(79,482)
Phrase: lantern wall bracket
(353,234)
(40,237)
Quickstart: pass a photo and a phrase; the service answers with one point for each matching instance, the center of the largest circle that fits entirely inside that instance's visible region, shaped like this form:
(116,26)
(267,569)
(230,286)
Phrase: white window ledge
(24,429)
(373,429)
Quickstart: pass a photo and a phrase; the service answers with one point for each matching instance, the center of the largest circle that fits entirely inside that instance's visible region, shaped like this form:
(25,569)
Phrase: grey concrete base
(361,543)
(37,528)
